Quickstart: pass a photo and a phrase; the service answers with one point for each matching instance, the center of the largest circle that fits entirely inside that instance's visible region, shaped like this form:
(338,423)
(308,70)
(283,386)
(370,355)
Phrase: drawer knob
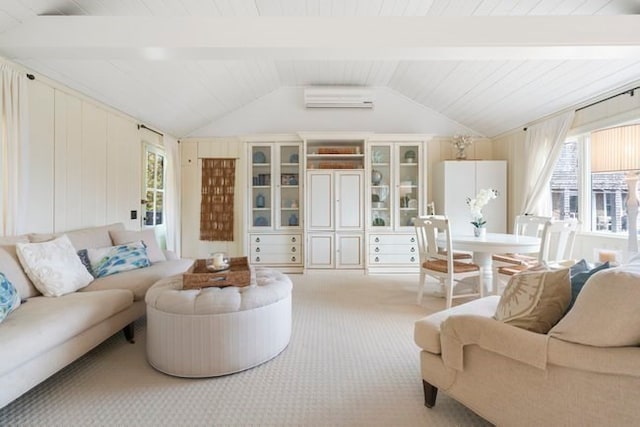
(257,240)
(293,249)
(293,239)
(293,259)
(377,249)
(377,239)
(257,259)
(413,249)
(413,259)
(257,249)
(377,259)
(413,239)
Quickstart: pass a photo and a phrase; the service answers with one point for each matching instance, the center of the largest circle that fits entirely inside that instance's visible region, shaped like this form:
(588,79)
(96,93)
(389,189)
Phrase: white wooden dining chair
(556,247)
(524,225)
(439,262)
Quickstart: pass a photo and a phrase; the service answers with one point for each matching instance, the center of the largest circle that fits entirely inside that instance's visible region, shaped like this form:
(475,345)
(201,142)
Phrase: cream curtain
(13,150)
(172,201)
(542,148)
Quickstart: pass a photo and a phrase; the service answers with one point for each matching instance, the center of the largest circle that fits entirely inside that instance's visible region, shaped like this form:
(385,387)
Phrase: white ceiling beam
(334,38)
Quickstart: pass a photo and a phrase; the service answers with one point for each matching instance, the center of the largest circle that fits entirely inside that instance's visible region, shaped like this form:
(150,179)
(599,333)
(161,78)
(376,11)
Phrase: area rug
(351,362)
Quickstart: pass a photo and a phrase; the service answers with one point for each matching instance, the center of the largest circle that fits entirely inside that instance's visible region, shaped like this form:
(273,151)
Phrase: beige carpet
(351,362)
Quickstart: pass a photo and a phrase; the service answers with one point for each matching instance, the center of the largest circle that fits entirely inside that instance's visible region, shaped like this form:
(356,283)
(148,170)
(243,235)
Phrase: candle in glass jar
(218,260)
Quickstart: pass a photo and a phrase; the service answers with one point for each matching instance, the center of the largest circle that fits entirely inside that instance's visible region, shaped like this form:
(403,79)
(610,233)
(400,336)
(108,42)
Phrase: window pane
(608,202)
(160,173)
(148,218)
(159,205)
(564,183)
(151,168)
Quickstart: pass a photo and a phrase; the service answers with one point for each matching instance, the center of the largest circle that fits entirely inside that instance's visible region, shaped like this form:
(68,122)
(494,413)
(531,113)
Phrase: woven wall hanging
(216,205)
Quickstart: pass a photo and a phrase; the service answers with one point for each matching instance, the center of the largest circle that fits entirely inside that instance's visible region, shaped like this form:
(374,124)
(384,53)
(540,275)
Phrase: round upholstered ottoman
(217,331)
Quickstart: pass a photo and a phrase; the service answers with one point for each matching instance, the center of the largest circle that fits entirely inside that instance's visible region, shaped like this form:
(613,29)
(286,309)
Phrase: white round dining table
(492,243)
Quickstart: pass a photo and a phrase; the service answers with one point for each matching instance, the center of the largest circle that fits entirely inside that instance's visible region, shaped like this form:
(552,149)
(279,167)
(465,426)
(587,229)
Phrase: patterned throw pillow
(9,298)
(53,266)
(148,237)
(115,259)
(535,300)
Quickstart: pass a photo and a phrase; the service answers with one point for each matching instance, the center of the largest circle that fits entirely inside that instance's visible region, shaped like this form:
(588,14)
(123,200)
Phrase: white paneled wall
(85,163)
(193,151)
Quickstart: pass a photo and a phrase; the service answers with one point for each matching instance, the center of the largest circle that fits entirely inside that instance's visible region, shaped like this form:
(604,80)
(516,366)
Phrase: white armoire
(456,180)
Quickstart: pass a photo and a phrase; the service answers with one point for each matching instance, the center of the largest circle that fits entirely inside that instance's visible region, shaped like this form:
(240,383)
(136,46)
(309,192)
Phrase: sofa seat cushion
(427,329)
(140,280)
(43,323)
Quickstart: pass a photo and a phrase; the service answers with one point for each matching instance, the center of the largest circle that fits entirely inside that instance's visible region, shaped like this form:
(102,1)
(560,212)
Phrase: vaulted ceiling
(490,65)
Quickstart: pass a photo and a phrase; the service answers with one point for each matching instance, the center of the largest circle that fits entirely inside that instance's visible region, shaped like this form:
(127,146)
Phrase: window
(154,185)
(564,182)
(604,194)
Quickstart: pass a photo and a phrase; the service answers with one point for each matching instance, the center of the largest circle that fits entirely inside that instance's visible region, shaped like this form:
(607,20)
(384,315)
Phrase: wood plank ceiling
(490,96)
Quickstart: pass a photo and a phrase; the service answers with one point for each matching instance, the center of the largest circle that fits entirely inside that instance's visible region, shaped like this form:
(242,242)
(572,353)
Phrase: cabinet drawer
(392,239)
(393,249)
(393,259)
(274,249)
(275,239)
(271,258)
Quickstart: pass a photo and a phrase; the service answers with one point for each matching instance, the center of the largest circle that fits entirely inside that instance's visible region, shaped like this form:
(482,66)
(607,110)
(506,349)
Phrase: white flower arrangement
(461,142)
(475,205)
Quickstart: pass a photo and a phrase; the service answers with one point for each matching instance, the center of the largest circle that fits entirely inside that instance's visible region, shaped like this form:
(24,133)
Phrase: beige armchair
(585,371)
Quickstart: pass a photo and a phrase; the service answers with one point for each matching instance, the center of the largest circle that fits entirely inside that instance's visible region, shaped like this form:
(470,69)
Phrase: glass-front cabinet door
(276,189)
(395,185)
(381,203)
(289,186)
(261,193)
(407,165)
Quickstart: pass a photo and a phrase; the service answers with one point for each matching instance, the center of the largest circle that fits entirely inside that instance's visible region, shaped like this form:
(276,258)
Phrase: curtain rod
(628,91)
(631,92)
(152,130)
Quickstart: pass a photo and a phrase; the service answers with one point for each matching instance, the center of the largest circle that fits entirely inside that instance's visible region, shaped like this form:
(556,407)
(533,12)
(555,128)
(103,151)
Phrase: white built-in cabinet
(456,180)
(396,197)
(335,218)
(275,204)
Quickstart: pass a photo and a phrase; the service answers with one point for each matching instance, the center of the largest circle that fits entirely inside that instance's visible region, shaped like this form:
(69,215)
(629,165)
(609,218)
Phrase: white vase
(479,231)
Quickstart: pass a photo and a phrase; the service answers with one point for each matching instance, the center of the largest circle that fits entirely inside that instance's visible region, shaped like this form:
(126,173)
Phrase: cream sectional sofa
(45,334)
(585,371)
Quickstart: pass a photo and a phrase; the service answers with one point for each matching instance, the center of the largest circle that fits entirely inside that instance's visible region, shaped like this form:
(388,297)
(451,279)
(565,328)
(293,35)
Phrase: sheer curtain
(13,150)
(542,148)
(172,201)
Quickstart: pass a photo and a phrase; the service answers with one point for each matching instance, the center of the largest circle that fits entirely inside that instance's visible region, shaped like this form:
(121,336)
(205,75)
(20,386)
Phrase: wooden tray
(238,274)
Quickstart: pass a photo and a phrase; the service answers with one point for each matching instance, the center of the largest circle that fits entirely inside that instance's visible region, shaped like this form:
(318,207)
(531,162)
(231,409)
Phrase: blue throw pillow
(84,258)
(579,267)
(579,279)
(114,259)
(9,297)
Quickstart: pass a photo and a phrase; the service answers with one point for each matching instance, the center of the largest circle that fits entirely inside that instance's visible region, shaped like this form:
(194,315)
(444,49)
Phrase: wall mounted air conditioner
(338,97)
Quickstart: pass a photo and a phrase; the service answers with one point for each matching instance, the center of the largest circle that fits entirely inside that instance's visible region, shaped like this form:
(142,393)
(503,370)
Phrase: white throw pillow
(54,266)
(148,237)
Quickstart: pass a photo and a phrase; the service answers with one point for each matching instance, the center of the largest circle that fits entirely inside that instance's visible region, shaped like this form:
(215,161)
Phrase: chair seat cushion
(440,265)
(457,255)
(516,259)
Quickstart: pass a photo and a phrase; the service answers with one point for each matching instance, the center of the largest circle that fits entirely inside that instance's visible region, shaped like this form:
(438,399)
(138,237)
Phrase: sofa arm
(492,335)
